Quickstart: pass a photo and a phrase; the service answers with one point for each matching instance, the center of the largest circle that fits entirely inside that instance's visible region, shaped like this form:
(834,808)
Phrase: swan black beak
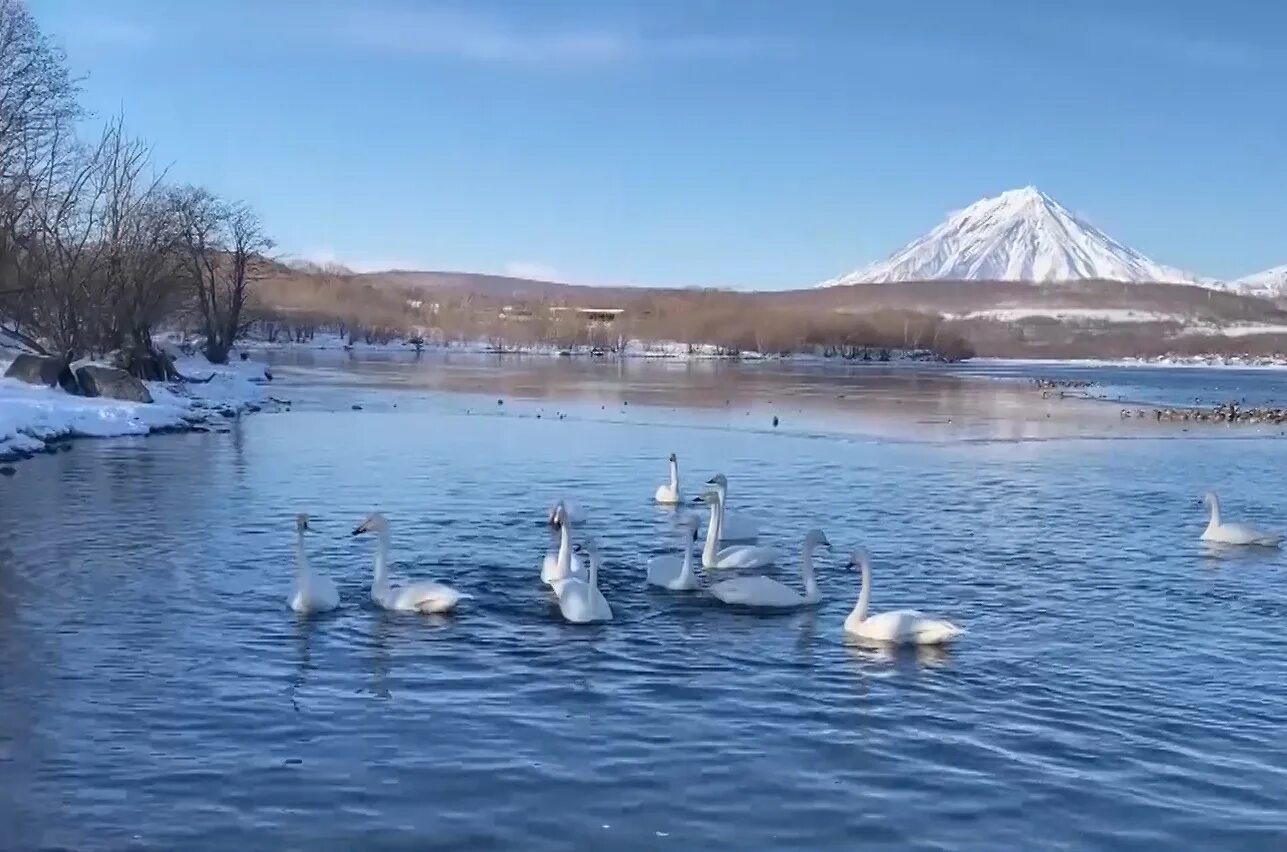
(358,531)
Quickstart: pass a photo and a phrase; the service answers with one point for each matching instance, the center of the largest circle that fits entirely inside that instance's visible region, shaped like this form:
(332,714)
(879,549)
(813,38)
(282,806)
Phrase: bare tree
(225,248)
(59,253)
(37,109)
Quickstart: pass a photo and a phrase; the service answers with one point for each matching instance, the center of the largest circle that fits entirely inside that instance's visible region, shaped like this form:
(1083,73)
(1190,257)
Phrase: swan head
(558,514)
(816,538)
(374,523)
(1210,499)
(301,523)
(860,560)
(718,480)
(709,498)
(589,546)
(673,458)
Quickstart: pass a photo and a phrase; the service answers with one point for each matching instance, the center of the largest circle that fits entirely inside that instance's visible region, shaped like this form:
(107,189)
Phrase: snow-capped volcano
(1020,235)
(1271,282)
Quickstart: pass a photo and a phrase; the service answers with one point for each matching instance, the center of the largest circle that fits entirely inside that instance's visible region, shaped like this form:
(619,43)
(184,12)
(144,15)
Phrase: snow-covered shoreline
(34,418)
(661,350)
(1210,362)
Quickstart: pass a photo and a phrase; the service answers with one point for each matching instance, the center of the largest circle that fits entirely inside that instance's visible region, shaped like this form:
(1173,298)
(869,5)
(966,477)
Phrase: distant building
(597,316)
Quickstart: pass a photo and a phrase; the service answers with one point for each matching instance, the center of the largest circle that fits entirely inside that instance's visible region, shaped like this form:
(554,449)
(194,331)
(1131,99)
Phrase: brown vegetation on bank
(363,307)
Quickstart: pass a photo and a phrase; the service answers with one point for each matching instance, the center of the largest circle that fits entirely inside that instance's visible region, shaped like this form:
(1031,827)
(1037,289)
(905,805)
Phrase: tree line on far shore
(97,249)
(292,305)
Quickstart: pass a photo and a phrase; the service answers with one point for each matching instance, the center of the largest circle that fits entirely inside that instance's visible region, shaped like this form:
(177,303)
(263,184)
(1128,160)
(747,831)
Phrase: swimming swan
(564,563)
(311,592)
(763,592)
(580,601)
(732,527)
(734,556)
(1234,533)
(417,597)
(676,572)
(668,495)
(901,627)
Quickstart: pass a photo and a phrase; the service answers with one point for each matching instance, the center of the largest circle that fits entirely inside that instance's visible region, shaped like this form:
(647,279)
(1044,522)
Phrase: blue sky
(756,143)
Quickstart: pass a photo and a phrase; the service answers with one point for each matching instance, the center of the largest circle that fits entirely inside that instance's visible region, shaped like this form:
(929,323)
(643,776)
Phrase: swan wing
(664,570)
(906,627)
(755,591)
(745,556)
(320,595)
(426,597)
(550,568)
(579,604)
(666,494)
(1242,534)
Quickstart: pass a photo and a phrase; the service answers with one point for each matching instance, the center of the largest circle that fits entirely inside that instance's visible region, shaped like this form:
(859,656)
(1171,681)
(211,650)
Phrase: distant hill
(505,287)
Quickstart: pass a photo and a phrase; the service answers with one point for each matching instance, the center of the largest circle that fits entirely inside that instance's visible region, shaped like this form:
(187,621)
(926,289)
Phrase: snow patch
(1019,235)
(32,415)
(1270,284)
(1111,315)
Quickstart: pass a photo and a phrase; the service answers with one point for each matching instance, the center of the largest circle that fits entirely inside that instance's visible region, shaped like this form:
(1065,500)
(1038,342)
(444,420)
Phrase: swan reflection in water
(865,651)
(303,659)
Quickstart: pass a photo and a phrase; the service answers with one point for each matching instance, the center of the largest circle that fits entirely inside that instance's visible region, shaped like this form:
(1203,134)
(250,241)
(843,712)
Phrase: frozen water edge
(668,350)
(33,417)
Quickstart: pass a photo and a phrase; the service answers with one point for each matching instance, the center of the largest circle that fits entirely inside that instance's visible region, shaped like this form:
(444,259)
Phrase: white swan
(734,556)
(416,597)
(1221,533)
(763,592)
(311,592)
(668,495)
(732,527)
(580,601)
(676,572)
(564,563)
(901,627)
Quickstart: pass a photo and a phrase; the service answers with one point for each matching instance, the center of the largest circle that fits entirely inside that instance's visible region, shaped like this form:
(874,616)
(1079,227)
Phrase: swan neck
(864,596)
(674,475)
(806,571)
(1215,511)
(381,578)
(713,530)
(301,561)
(593,573)
(564,561)
(686,571)
(722,490)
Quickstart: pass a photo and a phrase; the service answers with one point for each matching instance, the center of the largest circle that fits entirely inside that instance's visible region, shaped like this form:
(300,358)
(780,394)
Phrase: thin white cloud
(532,269)
(489,39)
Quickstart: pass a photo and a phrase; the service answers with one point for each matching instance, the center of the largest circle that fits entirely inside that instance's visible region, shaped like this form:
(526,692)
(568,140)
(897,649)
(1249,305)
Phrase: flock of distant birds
(573,579)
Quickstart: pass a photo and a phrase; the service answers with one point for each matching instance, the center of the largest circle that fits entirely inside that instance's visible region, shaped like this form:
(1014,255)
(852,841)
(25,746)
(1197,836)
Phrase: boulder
(42,370)
(113,383)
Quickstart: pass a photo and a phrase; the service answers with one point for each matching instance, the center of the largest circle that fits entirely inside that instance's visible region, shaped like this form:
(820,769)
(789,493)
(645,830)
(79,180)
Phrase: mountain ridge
(1020,235)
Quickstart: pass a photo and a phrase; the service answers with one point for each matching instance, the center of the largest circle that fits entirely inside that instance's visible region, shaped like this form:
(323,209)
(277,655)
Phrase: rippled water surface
(1120,686)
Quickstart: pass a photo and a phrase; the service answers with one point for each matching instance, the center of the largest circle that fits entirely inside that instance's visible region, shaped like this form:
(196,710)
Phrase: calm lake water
(1121,686)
